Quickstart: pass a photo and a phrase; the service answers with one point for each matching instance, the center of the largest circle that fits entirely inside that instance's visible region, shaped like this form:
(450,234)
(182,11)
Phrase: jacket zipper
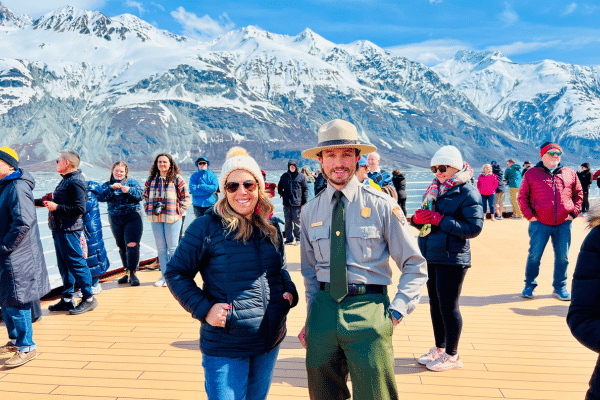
(262,286)
(555,199)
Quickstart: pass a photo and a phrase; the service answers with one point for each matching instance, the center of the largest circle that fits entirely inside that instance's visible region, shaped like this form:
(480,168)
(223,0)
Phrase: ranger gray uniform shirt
(375,229)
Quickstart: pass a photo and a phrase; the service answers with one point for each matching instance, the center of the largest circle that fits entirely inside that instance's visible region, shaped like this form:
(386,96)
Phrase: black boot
(124,279)
(62,305)
(134,279)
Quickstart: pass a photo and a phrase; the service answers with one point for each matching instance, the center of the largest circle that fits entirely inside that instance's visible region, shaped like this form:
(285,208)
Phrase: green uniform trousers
(353,336)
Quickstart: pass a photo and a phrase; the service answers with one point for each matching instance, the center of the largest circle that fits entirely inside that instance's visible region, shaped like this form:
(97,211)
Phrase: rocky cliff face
(118,88)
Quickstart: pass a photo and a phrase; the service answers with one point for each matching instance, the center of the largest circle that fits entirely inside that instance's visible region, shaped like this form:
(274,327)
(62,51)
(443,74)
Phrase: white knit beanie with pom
(238,158)
(448,155)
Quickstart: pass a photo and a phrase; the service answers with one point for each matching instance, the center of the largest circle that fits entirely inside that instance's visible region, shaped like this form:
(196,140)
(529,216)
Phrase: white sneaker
(445,362)
(433,354)
(95,290)
(160,282)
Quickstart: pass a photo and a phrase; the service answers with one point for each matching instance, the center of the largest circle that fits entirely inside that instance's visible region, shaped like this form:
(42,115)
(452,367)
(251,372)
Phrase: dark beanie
(9,156)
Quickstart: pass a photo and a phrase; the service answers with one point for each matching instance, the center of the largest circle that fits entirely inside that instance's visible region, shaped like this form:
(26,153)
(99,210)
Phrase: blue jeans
(71,264)
(239,378)
(166,237)
(18,325)
(488,200)
(538,238)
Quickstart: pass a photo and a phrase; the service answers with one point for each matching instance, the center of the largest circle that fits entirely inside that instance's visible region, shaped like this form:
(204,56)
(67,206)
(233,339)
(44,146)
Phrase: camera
(158,208)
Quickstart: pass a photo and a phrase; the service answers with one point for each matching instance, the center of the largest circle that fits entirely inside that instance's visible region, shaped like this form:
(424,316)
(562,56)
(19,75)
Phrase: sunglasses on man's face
(441,168)
(202,163)
(554,153)
(233,187)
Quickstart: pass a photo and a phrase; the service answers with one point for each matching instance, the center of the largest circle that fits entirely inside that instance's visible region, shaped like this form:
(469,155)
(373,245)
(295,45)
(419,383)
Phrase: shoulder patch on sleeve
(399,214)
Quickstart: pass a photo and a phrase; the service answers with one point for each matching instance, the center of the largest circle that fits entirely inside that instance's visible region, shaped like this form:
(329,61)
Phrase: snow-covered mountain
(540,101)
(119,88)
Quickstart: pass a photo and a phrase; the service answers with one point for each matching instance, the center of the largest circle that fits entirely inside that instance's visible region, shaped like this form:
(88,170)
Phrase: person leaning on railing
(247,291)
(123,196)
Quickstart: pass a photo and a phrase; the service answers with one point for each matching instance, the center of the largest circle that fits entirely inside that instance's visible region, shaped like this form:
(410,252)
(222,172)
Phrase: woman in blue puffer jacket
(451,214)
(123,196)
(247,290)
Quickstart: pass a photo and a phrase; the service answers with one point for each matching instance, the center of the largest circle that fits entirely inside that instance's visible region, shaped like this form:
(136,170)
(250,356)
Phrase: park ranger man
(349,231)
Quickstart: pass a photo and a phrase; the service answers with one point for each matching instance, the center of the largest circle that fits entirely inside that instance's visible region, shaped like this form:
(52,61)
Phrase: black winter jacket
(585,177)
(252,277)
(584,311)
(496,170)
(583,317)
(399,182)
(320,183)
(23,274)
(71,197)
(448,243)
(293,188)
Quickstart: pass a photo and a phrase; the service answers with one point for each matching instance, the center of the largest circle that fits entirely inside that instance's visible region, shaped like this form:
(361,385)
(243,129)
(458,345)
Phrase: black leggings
(444,287)
(128,228)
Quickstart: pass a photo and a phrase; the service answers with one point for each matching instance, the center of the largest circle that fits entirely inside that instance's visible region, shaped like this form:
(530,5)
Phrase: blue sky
(428,31)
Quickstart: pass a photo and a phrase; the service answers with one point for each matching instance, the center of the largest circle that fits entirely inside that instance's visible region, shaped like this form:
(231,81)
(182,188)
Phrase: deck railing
(414,191)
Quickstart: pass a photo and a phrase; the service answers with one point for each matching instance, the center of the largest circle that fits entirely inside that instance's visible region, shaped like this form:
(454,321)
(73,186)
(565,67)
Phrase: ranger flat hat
(338,134)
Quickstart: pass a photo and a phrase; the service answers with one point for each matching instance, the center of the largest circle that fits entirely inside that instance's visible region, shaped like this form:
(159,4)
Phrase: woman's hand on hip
(217,315)
(289,297)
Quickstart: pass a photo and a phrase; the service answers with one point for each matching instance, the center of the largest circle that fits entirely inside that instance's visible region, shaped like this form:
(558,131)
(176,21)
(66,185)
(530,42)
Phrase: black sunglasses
(441,168)
(233,187)
(201,162)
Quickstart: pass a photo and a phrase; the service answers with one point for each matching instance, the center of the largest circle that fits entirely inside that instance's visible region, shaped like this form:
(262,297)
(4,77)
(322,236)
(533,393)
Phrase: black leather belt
(358,289)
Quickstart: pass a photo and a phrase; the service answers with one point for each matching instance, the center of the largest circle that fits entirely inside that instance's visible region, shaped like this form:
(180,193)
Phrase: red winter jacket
(550,198)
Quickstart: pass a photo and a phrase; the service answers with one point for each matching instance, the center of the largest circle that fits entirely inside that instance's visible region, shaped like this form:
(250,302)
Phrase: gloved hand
(421,217)
(47,197)
(435,218)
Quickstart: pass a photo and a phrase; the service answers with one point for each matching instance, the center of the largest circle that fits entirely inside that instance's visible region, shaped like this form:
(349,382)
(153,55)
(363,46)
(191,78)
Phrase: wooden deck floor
(140,344)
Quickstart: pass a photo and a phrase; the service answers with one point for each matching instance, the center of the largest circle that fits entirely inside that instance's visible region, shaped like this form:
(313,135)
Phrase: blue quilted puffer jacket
(448,243)
(97,260)
(252,277)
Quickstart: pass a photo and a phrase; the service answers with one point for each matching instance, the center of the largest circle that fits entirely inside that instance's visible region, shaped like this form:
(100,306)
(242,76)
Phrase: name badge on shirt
(320,223)
(365,212)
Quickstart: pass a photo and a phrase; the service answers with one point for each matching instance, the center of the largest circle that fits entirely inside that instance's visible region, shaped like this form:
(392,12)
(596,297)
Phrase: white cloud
(37,8)
(430,52)
(569,9)
(435,1)
(158,6)
(135,4)
(202,28)
(508,16)
(524,48)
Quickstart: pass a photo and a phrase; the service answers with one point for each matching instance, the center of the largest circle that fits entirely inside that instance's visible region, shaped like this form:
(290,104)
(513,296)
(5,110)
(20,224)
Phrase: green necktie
(338,281)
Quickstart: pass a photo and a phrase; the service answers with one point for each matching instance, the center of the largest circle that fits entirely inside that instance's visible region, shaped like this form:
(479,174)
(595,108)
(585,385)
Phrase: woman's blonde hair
(486,165)
(243,226)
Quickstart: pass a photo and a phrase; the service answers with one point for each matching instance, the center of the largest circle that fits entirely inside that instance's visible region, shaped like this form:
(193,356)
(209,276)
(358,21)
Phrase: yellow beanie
(9,156)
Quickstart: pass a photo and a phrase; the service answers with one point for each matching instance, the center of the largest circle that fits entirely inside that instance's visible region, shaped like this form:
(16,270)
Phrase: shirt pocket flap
(364,232)
(318,233)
